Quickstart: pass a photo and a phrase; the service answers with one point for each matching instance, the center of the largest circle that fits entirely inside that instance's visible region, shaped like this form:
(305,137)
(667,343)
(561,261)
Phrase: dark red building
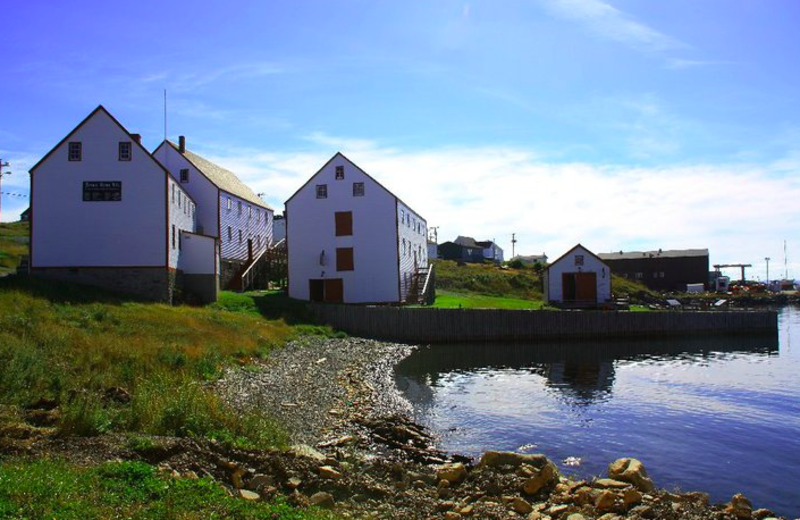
(661,270)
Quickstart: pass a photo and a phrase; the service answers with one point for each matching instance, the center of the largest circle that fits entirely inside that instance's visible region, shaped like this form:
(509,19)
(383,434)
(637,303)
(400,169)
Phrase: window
(344,259)
(402,216)
(230,234)
(404,246)
(185,175)
(173,236)
(322,191)
(240,236)
(258,241)
(180,197)
(239,207)
(75,151)
(358,189)
(344,223)
(180,241)
(578,259)
(249,211)
(173,193)
(125,151)
(339,173)
(229,204)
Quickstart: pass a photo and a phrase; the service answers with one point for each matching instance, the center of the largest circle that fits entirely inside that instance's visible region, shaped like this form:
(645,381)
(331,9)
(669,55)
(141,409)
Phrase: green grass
(488,279)
(451,300)
(74,344)
(13,244)
(54,489)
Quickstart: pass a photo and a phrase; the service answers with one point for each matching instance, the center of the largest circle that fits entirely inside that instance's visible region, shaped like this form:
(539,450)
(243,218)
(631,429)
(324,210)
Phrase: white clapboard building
(577,279)
(227,209)
(351,240)
(105,212)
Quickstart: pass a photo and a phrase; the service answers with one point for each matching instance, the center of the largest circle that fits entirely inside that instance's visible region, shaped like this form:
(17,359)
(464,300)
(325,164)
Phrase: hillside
(13,244)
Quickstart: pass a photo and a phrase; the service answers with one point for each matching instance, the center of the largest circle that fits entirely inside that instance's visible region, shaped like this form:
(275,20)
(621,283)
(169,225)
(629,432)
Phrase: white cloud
(613,24)
(741,212)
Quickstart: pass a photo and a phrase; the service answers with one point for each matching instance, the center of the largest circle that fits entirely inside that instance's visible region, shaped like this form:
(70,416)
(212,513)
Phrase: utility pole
(767,259)
(3,164)
(513,245)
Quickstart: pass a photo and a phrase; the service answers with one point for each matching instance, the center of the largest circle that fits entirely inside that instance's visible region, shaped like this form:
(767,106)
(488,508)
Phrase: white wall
(181,218)
(198,254)
(68,232)
(202,190)
(310,227)
(567,264)
(254,222)
(412,244)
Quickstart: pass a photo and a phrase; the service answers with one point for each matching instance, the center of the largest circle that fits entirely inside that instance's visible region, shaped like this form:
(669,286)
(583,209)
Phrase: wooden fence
(425,325)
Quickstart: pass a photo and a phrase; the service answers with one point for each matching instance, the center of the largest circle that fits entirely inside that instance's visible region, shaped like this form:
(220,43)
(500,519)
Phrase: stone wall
(228,269)
(151,283)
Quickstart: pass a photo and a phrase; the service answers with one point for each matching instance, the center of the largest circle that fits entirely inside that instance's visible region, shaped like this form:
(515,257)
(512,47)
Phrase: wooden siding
(252,225)
(467,325)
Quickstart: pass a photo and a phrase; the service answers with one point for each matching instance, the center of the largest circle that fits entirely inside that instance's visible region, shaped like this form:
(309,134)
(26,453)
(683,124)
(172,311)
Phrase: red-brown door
(334,290)
(586,287)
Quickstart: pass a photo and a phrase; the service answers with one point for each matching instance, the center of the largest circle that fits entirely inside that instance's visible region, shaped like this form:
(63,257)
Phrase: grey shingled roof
(673,253)
(224,179)
(466,242)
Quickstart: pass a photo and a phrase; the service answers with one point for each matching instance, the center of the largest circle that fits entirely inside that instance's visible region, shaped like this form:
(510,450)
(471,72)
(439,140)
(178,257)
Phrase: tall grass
(84,348)
(13,244)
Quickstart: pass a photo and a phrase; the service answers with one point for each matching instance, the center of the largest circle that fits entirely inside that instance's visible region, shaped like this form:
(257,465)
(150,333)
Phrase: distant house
(25,216)
(467,249)
(105,212)
(531,260)
(577,279)
(661,270)
(351,240)
(278,228)
(227,209)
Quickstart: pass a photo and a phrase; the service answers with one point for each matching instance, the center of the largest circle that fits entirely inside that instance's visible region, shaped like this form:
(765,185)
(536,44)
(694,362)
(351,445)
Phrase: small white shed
(577,279)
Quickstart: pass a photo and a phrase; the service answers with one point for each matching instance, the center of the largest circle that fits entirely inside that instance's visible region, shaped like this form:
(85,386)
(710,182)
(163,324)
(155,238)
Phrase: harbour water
(720,415)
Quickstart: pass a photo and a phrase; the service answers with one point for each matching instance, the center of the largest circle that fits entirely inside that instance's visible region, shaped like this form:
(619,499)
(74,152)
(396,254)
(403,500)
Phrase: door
(249,249)
(568,286)
(334,290)
(316,290)
(586,287)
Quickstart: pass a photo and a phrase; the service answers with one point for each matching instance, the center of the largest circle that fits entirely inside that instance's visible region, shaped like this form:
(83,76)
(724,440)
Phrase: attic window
(125,151)
(185,175)
(75,151)
(339,173)
(578,259)
(358,189)
(322,191)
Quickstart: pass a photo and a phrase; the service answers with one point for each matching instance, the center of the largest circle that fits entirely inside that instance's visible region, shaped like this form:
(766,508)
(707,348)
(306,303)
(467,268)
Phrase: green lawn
(452,300)
(13,245)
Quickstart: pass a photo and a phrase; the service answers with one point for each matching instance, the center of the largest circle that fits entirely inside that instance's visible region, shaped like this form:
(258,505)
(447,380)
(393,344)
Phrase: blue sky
(622,124)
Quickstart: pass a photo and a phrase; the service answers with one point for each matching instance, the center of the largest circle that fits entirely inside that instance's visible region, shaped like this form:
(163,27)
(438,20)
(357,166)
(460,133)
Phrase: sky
(619,124)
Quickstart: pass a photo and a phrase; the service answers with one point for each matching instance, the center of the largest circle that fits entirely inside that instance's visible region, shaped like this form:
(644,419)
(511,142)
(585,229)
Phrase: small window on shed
(339,173)
(228,205)
(75,151)
(185,175)
(124,151)
(358,189)
(322,191)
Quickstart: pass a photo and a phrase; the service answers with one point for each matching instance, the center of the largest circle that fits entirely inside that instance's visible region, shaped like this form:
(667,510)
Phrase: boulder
(304,450)
(293,483)
(521,506)
(546,478)
(605,501)
(631,497)
(610,483)
(631,470)
(497,459)
(322,499)
(329,473)
(453,472)
(740,506)
(260,481)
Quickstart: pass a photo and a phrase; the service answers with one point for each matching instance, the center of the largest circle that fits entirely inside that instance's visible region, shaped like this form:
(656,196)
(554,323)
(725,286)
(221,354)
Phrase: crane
(741,266)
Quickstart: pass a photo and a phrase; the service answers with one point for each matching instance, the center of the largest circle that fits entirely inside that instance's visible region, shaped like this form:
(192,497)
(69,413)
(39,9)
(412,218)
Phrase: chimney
(137,138)
(182,144)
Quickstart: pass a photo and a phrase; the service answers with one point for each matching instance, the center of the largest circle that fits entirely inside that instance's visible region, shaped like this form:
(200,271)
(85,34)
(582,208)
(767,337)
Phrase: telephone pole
(3,164)
(767,259)
(513,245)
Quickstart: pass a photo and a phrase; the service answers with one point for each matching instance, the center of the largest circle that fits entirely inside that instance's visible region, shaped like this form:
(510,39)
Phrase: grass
(54,489)
(488,279)
(77,345)
(13,245)
(451,300)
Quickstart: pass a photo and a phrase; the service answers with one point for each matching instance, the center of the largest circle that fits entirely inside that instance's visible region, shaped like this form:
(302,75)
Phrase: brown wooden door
(568,286)
(334,290)
(586,287)
(316,290)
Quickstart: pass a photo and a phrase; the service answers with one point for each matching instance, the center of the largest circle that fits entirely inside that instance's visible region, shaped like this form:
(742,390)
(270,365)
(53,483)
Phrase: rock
(236,478)
(453,472)
(761,514)
(191,475)
(322,499)
(610,483)
(609,516)
(466,510)
(631,497)
(583,496)
(329,473)
(248,495)
(576,516)
(452,515)
(304,450)
(445,506)
(605,501)
(497,459)
(631,470)
(545,478)
(259,481)
(521,506)
(740,506)
(293,483)
(556,510)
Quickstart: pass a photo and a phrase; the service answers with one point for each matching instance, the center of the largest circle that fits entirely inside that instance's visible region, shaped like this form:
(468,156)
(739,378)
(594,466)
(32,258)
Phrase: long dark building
(661,270)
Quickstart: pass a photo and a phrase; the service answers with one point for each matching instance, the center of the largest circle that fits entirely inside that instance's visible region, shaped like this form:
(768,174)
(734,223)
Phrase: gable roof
(223,179)
(370,177)
(637,255)
(467,242)
(100,108)
(576,246)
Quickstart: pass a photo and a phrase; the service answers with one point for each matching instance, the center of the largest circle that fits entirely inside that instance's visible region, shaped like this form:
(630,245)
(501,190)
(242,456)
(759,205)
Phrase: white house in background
(351,240)
(578,278)
(278,228)
(227,208)
(531,260)
(105,212)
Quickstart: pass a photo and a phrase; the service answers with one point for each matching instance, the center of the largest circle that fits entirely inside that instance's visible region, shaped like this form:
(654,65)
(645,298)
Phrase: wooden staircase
(422,286)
